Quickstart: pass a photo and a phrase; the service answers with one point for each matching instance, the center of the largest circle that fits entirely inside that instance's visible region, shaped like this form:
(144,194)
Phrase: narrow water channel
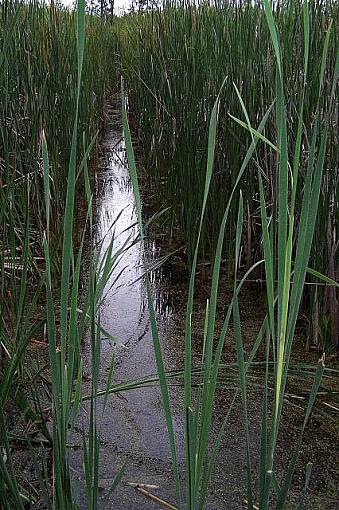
(132,426)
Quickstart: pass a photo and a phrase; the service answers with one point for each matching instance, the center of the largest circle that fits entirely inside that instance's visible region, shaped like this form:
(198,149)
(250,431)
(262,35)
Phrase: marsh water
(131,426)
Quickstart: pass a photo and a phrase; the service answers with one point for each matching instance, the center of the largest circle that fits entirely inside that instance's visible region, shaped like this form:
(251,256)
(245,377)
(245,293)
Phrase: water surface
(132,426)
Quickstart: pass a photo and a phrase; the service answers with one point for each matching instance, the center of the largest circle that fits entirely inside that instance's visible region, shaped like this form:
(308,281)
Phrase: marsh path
(132,426)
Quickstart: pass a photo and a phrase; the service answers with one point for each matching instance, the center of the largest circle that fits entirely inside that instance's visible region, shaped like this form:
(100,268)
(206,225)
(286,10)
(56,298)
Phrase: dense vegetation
(175,62)
(221,98)
(51,108)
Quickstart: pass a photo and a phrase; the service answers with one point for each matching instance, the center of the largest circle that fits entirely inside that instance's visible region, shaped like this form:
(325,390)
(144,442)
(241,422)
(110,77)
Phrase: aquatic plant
(52,99)
(286,246)
(243,173)
(174,60)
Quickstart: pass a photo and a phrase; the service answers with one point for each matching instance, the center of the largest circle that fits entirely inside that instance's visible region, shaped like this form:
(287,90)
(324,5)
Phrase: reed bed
(38,88)
(38,100)
(234,104)
(55,75)
(174,60)
(287,235)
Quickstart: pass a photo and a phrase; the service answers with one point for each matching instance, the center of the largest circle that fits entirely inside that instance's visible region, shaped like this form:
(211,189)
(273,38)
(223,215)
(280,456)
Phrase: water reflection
(125,304)
(131,426)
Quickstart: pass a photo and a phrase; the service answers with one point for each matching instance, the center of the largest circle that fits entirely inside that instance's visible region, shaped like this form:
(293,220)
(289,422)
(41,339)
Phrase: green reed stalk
(174,61)
(283,298)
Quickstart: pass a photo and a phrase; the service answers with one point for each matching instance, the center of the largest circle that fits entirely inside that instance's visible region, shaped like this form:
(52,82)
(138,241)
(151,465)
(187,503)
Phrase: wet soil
(132,426)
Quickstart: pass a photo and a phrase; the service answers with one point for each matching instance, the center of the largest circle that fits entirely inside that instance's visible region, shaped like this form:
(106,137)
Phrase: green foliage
(287,242)
(235,103)
(54,81)
(174,61)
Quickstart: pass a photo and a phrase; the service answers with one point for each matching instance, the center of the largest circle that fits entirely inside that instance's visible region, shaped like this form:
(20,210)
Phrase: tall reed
(52,94)
(287,229)
(174,60)
(271,158)
(38,95)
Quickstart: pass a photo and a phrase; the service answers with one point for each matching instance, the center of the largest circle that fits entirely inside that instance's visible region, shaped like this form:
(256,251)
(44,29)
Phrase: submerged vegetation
(234,108)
